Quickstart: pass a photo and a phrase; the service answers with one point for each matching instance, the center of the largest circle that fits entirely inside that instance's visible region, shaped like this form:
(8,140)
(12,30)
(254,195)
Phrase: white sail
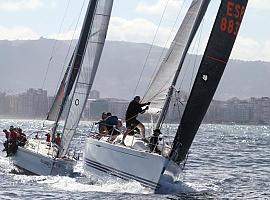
(87,71)
(173,60)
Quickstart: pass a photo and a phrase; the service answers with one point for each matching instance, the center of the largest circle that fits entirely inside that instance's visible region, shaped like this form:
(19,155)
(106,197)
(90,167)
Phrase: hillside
(24,63)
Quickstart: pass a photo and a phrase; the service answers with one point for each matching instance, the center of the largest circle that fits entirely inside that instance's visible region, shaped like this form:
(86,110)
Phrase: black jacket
(134,108)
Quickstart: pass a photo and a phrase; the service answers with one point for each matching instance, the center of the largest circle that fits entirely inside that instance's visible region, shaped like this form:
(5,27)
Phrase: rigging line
(150,49)
(163,49)
(54,45)
(161,90)
(158,93)
(189,61)
(176,104)
(196,56)
(69,47)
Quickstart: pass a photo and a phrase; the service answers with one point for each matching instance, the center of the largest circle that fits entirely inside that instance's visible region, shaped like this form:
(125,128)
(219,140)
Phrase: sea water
(225,162)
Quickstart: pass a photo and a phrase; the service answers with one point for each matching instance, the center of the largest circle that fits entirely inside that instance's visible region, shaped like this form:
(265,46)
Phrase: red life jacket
(22,137)
(13,136)
(48,137)
(57,140)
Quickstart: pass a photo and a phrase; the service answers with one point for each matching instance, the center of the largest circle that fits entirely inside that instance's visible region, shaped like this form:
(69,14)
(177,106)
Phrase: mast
(78,56)
(201,7)
(215,58)
(95,43)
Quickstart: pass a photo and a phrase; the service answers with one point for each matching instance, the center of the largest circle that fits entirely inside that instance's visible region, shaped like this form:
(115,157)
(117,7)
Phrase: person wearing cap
(134,109)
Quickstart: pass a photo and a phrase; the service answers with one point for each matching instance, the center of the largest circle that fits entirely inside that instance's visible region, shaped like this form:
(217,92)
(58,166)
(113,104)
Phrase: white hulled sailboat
(39,157)
(136,161)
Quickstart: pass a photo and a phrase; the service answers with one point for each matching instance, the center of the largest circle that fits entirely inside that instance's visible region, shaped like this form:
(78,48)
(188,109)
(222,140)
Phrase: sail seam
(80,93)
(99,14)
(216,59)
(87,84)
(97,42)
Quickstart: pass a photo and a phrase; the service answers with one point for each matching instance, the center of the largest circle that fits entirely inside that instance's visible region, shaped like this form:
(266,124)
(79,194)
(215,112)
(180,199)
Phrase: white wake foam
(169,186)
(109,185)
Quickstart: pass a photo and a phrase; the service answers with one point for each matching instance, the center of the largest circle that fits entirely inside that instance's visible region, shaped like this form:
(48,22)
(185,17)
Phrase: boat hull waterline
(102,158)
(38,164)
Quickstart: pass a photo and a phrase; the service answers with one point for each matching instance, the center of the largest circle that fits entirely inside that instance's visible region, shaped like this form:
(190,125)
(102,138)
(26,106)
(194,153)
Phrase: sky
(133,21)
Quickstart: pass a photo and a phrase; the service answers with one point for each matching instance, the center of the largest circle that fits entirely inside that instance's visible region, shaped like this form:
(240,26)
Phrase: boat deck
(136,143)
(42,147)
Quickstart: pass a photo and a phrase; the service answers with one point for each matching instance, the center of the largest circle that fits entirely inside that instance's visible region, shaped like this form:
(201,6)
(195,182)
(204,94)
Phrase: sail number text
(234,14)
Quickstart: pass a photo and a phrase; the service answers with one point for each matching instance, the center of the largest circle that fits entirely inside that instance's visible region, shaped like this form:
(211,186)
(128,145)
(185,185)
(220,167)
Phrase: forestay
(169,69)
(87,71)
(210,71)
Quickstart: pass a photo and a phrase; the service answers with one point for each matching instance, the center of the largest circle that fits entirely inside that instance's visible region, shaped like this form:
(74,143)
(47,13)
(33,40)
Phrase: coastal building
(34,103)
(30,104)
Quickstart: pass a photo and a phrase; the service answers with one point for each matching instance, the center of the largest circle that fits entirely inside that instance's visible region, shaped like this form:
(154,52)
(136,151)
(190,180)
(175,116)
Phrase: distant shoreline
(146,122)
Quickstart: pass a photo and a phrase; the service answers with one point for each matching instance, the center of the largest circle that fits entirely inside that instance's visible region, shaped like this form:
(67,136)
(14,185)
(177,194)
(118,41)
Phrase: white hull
(129,164)
(40,163)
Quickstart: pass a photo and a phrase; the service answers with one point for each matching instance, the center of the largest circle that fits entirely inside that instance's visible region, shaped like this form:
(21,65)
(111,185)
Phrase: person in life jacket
(13,134)
(57,139)
(21,137)
(48,137)
(13,143)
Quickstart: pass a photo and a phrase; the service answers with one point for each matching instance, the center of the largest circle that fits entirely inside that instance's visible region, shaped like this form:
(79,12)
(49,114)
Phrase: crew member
(48,137)
(7,134)
(21,137)
(58,139)
(134,108)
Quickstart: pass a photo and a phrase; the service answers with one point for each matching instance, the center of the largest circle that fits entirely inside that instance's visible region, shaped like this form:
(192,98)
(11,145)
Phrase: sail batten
(210,71)
(87,71)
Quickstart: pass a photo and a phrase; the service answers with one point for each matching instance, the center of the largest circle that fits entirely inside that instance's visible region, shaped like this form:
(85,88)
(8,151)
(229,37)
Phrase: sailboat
(47,158)
(136,161)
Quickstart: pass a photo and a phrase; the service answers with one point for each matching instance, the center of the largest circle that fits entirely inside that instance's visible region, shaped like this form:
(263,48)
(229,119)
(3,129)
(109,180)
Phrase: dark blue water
(225,162)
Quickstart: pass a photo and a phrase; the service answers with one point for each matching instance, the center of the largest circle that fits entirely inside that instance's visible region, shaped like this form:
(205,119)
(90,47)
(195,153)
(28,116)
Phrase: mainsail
(168,72)
(87,71)
(210,71)
(76,62)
